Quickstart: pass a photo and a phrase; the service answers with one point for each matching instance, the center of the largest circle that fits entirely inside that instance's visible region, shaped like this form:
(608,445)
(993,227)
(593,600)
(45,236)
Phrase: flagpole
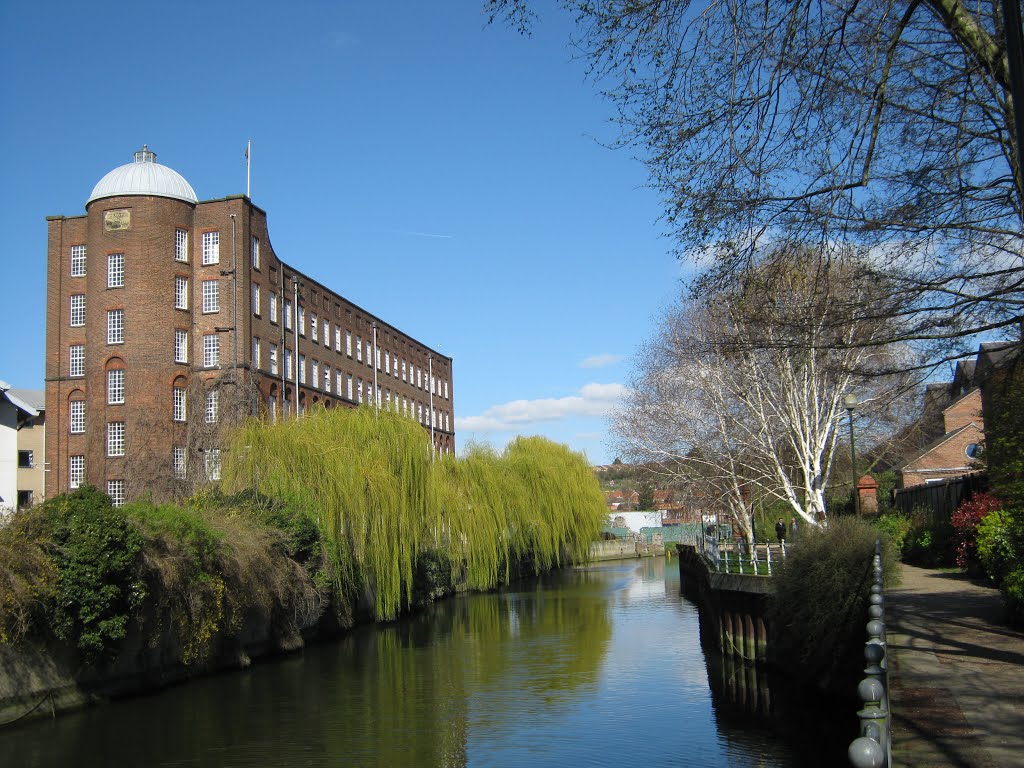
(248,162)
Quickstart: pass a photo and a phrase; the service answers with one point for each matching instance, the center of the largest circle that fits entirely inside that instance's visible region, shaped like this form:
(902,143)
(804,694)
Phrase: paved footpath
(956,674)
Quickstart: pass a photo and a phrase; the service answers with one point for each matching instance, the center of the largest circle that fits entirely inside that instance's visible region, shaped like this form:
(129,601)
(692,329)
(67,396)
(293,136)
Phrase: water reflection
(595,667)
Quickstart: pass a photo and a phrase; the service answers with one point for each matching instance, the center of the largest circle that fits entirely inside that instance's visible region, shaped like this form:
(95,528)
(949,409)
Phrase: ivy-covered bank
(340,517)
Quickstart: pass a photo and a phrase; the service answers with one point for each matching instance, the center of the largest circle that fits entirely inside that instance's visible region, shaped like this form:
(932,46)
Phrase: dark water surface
(594,667)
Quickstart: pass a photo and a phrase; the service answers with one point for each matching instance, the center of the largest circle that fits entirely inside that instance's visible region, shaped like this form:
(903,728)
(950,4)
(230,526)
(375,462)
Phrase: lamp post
(850,403)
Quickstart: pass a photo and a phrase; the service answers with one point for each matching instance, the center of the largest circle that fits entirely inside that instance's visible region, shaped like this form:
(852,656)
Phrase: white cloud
(592,400)
(600,361)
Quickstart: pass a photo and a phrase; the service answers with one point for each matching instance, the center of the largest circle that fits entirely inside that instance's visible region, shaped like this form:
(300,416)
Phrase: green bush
(929,544)
(996,545)
(28,575)
(1013,593)
(97,554)
(821,599)
(895,527)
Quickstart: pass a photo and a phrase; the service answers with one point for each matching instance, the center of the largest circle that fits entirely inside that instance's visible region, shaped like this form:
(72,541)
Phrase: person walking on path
(956,673)
(780,530)
(793,528)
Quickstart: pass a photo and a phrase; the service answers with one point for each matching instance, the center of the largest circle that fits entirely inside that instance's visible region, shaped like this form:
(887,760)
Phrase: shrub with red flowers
(965,525)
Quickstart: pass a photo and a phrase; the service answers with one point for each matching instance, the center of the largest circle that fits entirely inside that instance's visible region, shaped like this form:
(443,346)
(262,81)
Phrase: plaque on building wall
(117,221)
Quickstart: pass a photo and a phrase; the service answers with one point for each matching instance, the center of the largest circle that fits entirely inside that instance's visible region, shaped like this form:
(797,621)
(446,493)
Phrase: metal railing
(873,748)
(726,557)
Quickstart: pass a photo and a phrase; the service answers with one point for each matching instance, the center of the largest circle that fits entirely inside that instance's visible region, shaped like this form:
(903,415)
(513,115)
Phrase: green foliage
(96,553)
(965,521)
(929,544)
(1013,593)
(895,527)
(384,502)
(28,575)
(998,542)
(821,598)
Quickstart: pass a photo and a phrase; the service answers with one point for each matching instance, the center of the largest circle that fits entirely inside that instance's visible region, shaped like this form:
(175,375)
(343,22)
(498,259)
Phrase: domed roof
(145,176)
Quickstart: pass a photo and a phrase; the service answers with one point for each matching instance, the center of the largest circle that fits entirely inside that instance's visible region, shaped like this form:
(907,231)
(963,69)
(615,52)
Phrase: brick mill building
(164,313)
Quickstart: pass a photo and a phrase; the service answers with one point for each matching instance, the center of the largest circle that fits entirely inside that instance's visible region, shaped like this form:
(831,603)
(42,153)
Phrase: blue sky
(447,176)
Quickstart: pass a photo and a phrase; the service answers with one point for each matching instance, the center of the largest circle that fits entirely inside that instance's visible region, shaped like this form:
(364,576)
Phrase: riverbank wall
(623,549)
(734,608)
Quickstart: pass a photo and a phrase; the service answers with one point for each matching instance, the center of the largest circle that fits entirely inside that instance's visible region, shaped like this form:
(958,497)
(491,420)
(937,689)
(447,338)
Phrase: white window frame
(77,319)
(179,404)
(327,333)
(115,270)
(287,314)
(212,406)
(327,378)
(181,245)
(115,386)
(314,327)
(348,386)
(273,359)
(211,248)
(179,462)
(256,299)
(115,326)
(359,349)
(314,377)
(115,439)
(76,471)
(76,417)
(211,350)
(302,321)
(180,345)
(254,249)
(76,360)
(180,292)
(348,343)
(78,260)
(211,462)
(115,490)
(211,297)
(272,306)
(302,369)
(337,338)
(256,352)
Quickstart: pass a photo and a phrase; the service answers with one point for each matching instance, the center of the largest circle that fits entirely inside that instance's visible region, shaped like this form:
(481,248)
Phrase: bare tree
(888,125)
(749,409)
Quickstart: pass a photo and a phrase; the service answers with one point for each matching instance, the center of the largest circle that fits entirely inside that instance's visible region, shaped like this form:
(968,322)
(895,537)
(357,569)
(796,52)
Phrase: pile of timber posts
(733,607)
(873,748)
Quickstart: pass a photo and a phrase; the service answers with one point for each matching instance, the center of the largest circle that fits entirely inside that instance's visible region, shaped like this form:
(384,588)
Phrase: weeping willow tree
(370,480)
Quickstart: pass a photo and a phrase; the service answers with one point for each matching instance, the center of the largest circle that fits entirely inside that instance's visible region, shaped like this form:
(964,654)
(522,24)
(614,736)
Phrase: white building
(15,414)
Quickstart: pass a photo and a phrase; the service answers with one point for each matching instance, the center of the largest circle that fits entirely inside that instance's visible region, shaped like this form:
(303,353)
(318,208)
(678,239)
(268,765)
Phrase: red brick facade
(145,228)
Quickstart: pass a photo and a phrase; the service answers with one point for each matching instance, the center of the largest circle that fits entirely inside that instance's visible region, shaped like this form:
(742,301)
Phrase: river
(599,666)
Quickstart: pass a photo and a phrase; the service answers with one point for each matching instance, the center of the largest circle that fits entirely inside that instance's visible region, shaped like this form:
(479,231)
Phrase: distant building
(32,449)
(16,415)
(954,452)
(162,308)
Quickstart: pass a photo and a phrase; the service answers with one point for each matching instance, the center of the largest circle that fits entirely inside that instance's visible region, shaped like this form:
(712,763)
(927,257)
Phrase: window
(115,270)
(211,247)
(115,438)
(256,299)
(212,460)
(254,249)
(327,378)
(403,370)
(255,352)
(77,362)
(302,369)
(180,346)
(337,339)
(446,422)
(359,390)
(348,343)
(419,378)
(25,460)
(348,386)
(337,381)
(369,355)
(272,306)
(212,406)
(211,296)
(273,359)
(115,387)
(115,326)
(77,310)
(432,380)
(78,261)
(327,333)
(446,389)
(180,292)
(315,378)
(76,471)
(302,320)
(313,326)
(115,490)
(180,245)
(178,462)
(288,363)
(972,451)
(211,351)
(387,362)
(272,406)
(76,417)
(287,314)
(359,349)
(180,410)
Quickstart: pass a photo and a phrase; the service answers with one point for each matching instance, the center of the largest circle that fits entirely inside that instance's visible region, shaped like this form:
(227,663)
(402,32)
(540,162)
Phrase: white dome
(144,177)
